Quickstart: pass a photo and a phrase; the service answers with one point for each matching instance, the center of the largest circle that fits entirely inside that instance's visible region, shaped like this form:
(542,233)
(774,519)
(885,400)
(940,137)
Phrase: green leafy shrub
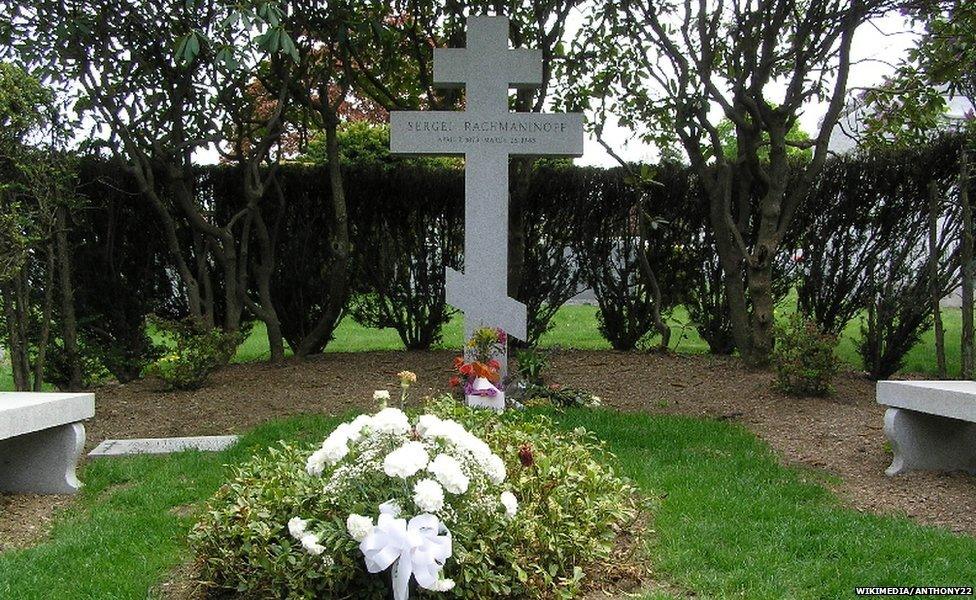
(572,508)
(535,392)
(804,358)
(196,351)
(530,363)
(562,396)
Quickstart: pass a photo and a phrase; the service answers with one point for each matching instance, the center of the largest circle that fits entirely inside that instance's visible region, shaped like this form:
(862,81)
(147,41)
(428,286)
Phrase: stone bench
(41,438)
(930,424)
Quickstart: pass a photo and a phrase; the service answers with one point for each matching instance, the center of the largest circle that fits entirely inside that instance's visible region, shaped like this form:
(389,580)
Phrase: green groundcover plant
(497,506)
(196,352)
(805,358)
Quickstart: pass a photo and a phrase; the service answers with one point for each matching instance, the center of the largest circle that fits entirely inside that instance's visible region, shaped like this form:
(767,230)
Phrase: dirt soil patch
(841,434)
(25,519)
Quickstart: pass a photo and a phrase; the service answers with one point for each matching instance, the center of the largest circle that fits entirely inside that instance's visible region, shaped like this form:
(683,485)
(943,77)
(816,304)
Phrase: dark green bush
(804,358)
(580,229)
(867,233)
(119,270)
(195,351)
(403,243)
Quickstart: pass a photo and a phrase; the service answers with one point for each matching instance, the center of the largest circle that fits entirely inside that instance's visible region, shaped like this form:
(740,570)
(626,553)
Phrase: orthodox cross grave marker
(486,133)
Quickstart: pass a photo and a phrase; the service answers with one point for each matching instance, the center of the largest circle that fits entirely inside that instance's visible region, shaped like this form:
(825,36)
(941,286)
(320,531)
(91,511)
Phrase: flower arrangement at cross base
(478,372)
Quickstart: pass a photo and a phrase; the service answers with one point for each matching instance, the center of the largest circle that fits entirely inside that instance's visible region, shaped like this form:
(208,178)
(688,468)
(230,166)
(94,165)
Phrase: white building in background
(843,139)
(845,134)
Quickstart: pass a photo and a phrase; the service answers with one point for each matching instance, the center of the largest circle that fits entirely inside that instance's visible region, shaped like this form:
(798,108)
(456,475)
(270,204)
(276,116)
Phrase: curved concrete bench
(930,424)
(41,438)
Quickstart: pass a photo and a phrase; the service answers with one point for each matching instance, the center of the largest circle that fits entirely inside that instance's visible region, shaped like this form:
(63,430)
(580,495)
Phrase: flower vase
(483,394)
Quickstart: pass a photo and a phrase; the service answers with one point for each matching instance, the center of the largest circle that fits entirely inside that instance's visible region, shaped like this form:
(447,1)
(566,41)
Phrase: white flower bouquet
(424,477)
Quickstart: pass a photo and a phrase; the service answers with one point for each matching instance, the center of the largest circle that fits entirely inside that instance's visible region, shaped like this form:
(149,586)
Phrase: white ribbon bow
(419,548)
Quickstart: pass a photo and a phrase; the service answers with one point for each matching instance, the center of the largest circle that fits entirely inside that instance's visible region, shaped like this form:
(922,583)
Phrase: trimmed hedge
(406,225)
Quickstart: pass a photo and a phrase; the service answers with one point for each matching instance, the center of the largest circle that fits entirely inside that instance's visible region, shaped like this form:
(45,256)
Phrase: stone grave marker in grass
(203,443)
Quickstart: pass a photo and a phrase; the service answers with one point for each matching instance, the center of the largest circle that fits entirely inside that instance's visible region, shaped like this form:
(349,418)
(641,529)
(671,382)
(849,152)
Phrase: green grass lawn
(731,521)
(576,327)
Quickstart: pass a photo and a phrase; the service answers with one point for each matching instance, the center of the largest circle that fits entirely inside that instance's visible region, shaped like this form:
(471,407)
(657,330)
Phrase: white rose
(296,527)
(339,435)
(447,470)
(427,423)
(406,460)
(477,447)
(510,502)
(391,420)
(357,426)
(495,468)
(334,449)
(443,585)
(358,526)
(448,429)
(428,495)
(391,507)
(315,463)
(381,395)
(310,542)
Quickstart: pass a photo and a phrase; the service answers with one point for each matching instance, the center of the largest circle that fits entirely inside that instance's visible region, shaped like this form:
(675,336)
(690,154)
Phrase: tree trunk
(276,340)
(69,324)
(338,271)
(761,321)
(264,309)
(203,277)
(20,347)
(719,190)
(233,294)
(936,289)
(650,280)
(146,180)
(15,343)
(966,254)
(47,310)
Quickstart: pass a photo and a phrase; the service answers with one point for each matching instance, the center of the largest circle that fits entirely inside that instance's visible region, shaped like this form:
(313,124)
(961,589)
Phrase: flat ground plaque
(204,443)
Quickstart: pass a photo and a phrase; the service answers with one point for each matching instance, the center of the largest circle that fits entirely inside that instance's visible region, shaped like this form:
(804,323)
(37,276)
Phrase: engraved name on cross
(486,133)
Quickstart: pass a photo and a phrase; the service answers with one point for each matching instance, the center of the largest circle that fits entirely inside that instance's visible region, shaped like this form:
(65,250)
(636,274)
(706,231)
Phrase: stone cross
(486,133)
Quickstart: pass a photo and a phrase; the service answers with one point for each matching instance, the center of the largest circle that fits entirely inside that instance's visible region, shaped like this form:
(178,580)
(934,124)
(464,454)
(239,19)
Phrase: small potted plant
(478,372)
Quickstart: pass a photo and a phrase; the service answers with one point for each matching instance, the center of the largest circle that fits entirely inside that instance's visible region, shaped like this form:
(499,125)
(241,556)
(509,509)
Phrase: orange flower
(455,381)
(482,370)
